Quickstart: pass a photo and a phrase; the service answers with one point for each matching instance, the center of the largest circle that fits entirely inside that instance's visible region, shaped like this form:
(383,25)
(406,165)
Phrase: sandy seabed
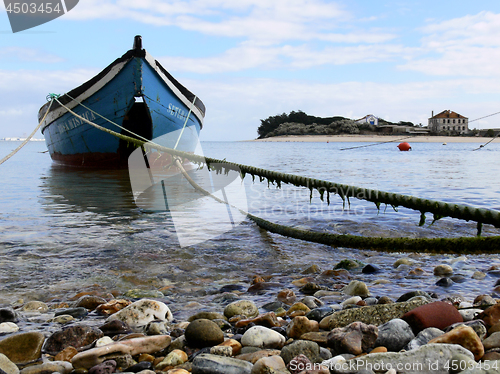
(376,138)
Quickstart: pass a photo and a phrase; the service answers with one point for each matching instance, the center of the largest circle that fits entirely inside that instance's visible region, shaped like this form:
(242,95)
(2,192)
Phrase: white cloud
(466,46)
(27,55)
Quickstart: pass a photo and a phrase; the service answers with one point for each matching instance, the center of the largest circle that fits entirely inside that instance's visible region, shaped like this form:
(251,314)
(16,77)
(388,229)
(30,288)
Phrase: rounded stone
(262,337)
(443,270)
(356,288)
(245,308)
(7,365)
(89,302)
(76,336)
(23,348)
(203,333)
(35,306)
(8,327)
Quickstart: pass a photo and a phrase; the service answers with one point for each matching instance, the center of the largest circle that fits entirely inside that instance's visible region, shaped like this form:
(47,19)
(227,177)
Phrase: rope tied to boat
(29,137)
(439,209)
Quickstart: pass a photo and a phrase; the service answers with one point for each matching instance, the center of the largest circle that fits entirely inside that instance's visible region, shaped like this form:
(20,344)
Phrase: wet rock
(464,336)
(272,306)
(444,282)
(107,367)
(66,354)
(220,350)
(245,308)
(301,325)
(349,264)
(115,327)
(7,365)
(8,327)
(371,269)
(257,355)
(234,344)
(313,269)
(112,306)
(137,293)
(417,360)
(356,288)
(140,367)
(62,319)
(469,314)
(385,300)
(351,301)
(394,335)
(273,364)
(298,309)
(492,341)
(423,337)
(74,312)
(312,302)
(287,296)
(206,315)
(483,301)
(8,315)
(262,337)
(478,275)
(262,287)
(123,361)
(408,295)
(402,261)
(76,336)
(491,315)
(212,364)
(443,270)
(370,315)
(437,314)
(94,356)
(310,288)
(35,306)
(320,337)
(310,349)
(156,328)
(267,320)
(477,325)
(141,312)
(355,338)
(89,302)
(174,358)
(105,340)
(318,314)
(203,333)
(61,367)
(23,348)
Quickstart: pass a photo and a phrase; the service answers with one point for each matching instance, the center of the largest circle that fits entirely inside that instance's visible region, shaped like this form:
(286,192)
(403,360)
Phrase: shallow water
(65,230)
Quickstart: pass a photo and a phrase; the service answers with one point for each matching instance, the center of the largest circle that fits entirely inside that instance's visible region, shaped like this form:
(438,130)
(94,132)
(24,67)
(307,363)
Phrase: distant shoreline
(375,139)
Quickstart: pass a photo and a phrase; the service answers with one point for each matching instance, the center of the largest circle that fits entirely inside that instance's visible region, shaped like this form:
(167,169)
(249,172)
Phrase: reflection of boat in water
(67,189)
(135,92)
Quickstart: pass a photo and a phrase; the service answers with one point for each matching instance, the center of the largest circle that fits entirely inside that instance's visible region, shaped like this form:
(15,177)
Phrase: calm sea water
(64,230)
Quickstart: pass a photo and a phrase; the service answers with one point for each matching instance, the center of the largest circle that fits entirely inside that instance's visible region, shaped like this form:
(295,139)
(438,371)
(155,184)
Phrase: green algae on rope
(439,209)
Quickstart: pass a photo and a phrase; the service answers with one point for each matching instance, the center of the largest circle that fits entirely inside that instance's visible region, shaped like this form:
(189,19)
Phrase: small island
(298,123)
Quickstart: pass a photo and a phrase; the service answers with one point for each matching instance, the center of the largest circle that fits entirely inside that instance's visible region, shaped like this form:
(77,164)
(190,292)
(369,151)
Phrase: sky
(250,59)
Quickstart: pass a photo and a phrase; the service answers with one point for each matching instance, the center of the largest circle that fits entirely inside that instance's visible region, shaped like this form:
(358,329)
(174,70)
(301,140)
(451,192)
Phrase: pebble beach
(318,321)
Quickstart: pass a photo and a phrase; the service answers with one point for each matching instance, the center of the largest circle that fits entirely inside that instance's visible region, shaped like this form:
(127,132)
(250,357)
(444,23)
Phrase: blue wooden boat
(135,92)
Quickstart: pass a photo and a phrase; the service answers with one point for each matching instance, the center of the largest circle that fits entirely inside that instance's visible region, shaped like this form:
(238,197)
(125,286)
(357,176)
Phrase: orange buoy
(404,146)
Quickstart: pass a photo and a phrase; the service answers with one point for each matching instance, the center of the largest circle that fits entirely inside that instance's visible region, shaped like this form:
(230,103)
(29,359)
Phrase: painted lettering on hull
(75,122)
(177,112)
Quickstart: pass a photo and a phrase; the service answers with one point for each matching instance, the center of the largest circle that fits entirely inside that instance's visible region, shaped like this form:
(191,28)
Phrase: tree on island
(300,123)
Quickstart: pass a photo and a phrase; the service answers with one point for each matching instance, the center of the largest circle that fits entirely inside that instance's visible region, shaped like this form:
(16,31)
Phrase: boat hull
(137,94)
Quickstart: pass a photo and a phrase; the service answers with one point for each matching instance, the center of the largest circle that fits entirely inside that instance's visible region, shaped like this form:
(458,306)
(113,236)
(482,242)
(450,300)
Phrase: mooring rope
(439,209)
(29,137)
